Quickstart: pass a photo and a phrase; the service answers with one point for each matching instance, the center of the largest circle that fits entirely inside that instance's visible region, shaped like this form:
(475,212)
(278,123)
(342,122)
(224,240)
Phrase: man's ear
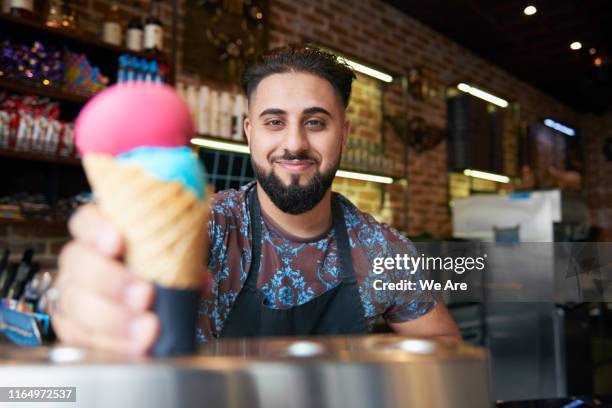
(346,130)
(247,129)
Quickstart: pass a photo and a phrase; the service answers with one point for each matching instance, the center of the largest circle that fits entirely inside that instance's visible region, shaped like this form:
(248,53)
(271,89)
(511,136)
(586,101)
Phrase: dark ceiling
(534,48)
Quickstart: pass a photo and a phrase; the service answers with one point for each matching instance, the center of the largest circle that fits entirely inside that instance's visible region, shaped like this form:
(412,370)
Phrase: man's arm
(437,323)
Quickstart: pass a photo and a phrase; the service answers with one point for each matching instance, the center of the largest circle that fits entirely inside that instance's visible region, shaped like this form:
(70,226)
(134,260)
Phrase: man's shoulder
(370,233)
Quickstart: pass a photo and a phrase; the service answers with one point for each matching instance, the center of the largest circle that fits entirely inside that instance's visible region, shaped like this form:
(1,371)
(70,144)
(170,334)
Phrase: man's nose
(296,139)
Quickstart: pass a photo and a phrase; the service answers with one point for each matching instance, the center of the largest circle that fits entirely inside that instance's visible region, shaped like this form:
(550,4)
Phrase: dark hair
(300,58)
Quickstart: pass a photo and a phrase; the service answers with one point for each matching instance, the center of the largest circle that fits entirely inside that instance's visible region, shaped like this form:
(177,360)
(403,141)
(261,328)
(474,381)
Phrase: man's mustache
(302,155)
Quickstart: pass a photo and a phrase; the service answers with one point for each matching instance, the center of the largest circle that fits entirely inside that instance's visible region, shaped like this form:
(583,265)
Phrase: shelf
(47,91)
(73,161)
(217,143)
(54,225)
(76,37)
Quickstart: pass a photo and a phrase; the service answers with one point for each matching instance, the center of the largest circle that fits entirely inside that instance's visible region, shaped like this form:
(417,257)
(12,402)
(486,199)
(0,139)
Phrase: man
(287,256)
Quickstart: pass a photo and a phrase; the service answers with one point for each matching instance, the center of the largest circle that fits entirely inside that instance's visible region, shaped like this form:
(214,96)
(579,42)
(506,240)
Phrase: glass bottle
(153,30)
(54,14)
(135,32)
(111,29)
(23,9)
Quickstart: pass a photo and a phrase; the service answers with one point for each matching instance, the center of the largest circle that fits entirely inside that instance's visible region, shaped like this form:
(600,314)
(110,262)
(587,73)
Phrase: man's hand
(437,323)
(102,305)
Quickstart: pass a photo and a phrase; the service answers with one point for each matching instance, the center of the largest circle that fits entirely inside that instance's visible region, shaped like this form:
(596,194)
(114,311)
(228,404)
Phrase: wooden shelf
(47,91)
(47,225)
(73,161)
(75,37)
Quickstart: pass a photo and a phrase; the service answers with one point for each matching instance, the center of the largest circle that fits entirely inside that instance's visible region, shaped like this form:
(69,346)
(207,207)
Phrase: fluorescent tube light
(483,95)
(366,70)
(364,176)
(219,145)
(560,127)
(486,176)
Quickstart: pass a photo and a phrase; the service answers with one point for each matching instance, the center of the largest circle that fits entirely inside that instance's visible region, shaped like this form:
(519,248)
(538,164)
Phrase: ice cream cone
(163,222)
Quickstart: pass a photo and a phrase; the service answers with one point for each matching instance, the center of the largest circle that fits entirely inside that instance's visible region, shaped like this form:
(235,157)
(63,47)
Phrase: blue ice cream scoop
(179,164)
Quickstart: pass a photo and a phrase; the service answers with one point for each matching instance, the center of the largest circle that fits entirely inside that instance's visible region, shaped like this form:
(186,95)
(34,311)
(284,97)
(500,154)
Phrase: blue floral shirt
(295,270)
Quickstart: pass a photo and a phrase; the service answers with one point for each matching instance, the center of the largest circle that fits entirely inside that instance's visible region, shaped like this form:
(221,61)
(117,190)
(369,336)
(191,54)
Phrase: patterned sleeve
(406,304)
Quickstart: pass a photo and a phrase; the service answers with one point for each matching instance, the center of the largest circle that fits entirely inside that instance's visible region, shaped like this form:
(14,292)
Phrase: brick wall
(379,34)
(598,172)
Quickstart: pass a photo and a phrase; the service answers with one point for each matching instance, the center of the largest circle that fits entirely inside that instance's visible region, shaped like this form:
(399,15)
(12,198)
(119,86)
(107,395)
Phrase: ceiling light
(560,127)
(592,51)
(366,70)
(483,95)
(486,176)
(576,45)
(530,10)
(364,176)
(598,62)
(219,145)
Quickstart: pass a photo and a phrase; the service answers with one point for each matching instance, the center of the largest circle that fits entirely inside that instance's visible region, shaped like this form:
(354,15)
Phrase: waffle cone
(164,224)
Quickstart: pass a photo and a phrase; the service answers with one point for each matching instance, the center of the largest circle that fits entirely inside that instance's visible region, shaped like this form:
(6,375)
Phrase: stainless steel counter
(369,371)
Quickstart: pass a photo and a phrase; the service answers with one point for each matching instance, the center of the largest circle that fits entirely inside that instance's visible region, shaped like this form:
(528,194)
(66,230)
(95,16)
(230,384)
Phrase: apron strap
(342,242)
(256,238)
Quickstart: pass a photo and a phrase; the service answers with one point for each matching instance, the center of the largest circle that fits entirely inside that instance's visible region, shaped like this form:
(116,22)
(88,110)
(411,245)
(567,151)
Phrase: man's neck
(306,225)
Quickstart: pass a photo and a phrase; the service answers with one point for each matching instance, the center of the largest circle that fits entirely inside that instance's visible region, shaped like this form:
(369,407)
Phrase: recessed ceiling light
(592,51)
(530,10)
(576,45)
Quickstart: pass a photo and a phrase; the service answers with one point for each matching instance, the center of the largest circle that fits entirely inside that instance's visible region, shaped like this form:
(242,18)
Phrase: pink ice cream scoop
(123,117)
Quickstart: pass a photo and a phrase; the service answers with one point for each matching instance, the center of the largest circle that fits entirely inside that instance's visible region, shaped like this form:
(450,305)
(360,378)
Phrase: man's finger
(73,334)
(101,315)
(90,227)
(85,267)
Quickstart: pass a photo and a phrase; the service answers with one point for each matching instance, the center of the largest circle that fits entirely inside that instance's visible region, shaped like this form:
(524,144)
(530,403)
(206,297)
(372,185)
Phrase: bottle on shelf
(154,72)
(214,113)
(4,263)
(54,14)
(22,274)
(143,68)
(238,117)
(203,123)
(192,101)
(69,14)
(111,29)
(124,61)
(134,36)
(153,29)
(225,107)
(23,9)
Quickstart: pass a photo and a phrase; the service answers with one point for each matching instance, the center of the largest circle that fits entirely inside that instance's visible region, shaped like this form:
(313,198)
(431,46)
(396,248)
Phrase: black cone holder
(177,310)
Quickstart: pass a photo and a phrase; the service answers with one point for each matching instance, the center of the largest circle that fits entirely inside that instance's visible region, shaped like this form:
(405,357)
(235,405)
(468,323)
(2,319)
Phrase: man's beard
(294,198)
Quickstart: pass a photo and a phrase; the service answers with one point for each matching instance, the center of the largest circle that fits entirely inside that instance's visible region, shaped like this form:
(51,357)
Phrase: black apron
(338,311)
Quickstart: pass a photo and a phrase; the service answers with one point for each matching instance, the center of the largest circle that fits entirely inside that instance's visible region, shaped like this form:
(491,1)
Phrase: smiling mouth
(295,166)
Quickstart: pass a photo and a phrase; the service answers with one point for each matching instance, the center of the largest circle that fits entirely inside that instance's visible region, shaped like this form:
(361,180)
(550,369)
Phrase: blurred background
(486,121)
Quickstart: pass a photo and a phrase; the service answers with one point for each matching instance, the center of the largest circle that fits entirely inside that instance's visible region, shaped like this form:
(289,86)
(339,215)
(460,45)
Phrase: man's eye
(274,122)
(315,123)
